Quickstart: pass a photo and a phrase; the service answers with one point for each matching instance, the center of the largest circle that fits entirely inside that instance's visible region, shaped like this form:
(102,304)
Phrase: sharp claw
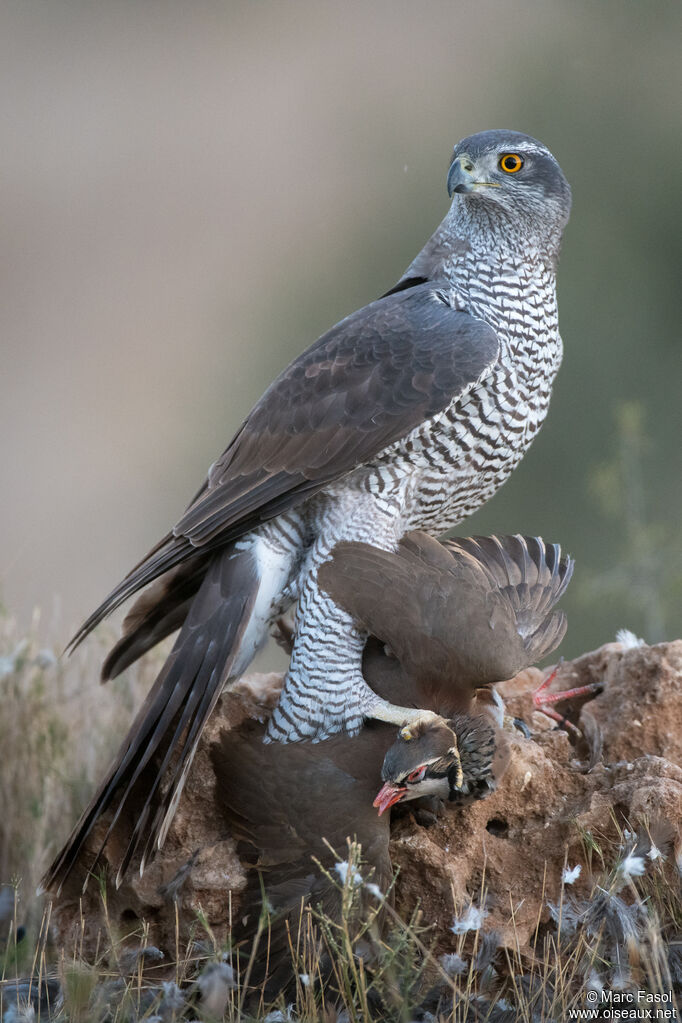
(522,727)
(459,780)
(381,710)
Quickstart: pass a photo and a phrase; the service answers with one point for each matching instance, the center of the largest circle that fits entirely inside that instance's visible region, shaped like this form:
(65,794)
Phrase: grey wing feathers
(158,612)
(531,575)
(363,386)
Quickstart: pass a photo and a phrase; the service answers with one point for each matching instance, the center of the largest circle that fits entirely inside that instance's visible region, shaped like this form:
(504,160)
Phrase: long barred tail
(225,624)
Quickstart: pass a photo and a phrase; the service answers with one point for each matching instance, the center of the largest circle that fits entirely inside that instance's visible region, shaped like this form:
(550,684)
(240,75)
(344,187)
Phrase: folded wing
(362,387)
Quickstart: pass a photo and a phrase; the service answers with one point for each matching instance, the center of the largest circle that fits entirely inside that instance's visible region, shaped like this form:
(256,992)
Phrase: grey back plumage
(425,400)
(360,388)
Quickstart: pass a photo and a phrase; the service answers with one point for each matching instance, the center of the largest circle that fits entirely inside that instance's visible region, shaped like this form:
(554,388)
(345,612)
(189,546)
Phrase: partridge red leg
(542,700)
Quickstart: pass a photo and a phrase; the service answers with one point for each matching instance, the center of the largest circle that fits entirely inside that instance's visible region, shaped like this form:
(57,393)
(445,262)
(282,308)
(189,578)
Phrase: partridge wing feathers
(428,608)
(468,611)
(531,576)
(363,386)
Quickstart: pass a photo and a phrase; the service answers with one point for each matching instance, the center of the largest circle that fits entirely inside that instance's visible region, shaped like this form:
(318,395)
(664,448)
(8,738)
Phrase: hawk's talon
(521,726)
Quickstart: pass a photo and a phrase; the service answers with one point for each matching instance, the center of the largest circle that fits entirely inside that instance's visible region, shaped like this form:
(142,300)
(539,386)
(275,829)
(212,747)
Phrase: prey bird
(408,414)
(455,616)
(458,615)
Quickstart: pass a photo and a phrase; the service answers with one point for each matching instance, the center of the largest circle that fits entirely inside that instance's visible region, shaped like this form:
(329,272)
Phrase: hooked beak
(389,795)
(460,177)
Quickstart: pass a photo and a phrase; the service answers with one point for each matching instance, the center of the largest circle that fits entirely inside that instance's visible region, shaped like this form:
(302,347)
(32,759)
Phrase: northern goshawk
(408,414)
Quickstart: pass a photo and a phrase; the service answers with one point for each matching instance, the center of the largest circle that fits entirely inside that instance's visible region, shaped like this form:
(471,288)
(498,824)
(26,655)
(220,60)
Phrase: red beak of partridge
(389,795)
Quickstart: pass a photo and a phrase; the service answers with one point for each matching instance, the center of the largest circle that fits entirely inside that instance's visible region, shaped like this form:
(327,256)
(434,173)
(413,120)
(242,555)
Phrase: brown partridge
(456,617)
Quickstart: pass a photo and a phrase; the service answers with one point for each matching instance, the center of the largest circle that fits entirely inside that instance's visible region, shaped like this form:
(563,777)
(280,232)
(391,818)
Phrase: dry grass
(621,937)
(627,934)
(58,730)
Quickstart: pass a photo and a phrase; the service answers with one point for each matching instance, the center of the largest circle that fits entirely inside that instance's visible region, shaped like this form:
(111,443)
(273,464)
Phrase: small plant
(357,961)
(48,772)
(365,964)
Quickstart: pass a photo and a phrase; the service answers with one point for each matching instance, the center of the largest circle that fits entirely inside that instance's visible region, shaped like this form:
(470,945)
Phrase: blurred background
(192,193)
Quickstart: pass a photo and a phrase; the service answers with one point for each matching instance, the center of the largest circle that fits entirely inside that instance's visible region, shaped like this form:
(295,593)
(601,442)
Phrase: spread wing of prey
(457,613)
(361,387)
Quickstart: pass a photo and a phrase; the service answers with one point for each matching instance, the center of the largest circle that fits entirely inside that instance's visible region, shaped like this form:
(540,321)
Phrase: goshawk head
(511,176)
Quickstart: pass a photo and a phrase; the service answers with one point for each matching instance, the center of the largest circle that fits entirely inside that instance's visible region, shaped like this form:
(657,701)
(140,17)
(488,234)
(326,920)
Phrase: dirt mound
(500,860)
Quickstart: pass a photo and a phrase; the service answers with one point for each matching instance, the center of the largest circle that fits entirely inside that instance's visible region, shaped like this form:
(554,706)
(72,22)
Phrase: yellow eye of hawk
(511,162)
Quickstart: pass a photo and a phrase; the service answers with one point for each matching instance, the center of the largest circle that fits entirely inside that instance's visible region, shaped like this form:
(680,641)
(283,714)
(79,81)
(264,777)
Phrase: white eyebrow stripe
(424,763)
(531,150)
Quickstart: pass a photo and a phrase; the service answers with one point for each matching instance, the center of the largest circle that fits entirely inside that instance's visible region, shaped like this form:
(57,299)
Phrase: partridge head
(432,756)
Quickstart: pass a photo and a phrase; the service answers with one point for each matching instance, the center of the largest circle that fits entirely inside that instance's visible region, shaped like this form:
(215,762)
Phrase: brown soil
(505,854)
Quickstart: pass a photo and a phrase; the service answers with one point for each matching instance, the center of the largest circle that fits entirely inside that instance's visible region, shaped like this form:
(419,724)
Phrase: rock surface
(198,869)
(502,857)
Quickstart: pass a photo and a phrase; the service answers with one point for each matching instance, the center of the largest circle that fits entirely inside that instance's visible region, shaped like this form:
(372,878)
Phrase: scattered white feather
(215,983)
(628,639)
(173,1001)
(279,1016)
(632,866)
(453,964)
(374,890)
(471,921)
(570,876)
(20,1014)
(621,980)
(655,853)
(304,979)
(594,982)
(345,870)
(46,658)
